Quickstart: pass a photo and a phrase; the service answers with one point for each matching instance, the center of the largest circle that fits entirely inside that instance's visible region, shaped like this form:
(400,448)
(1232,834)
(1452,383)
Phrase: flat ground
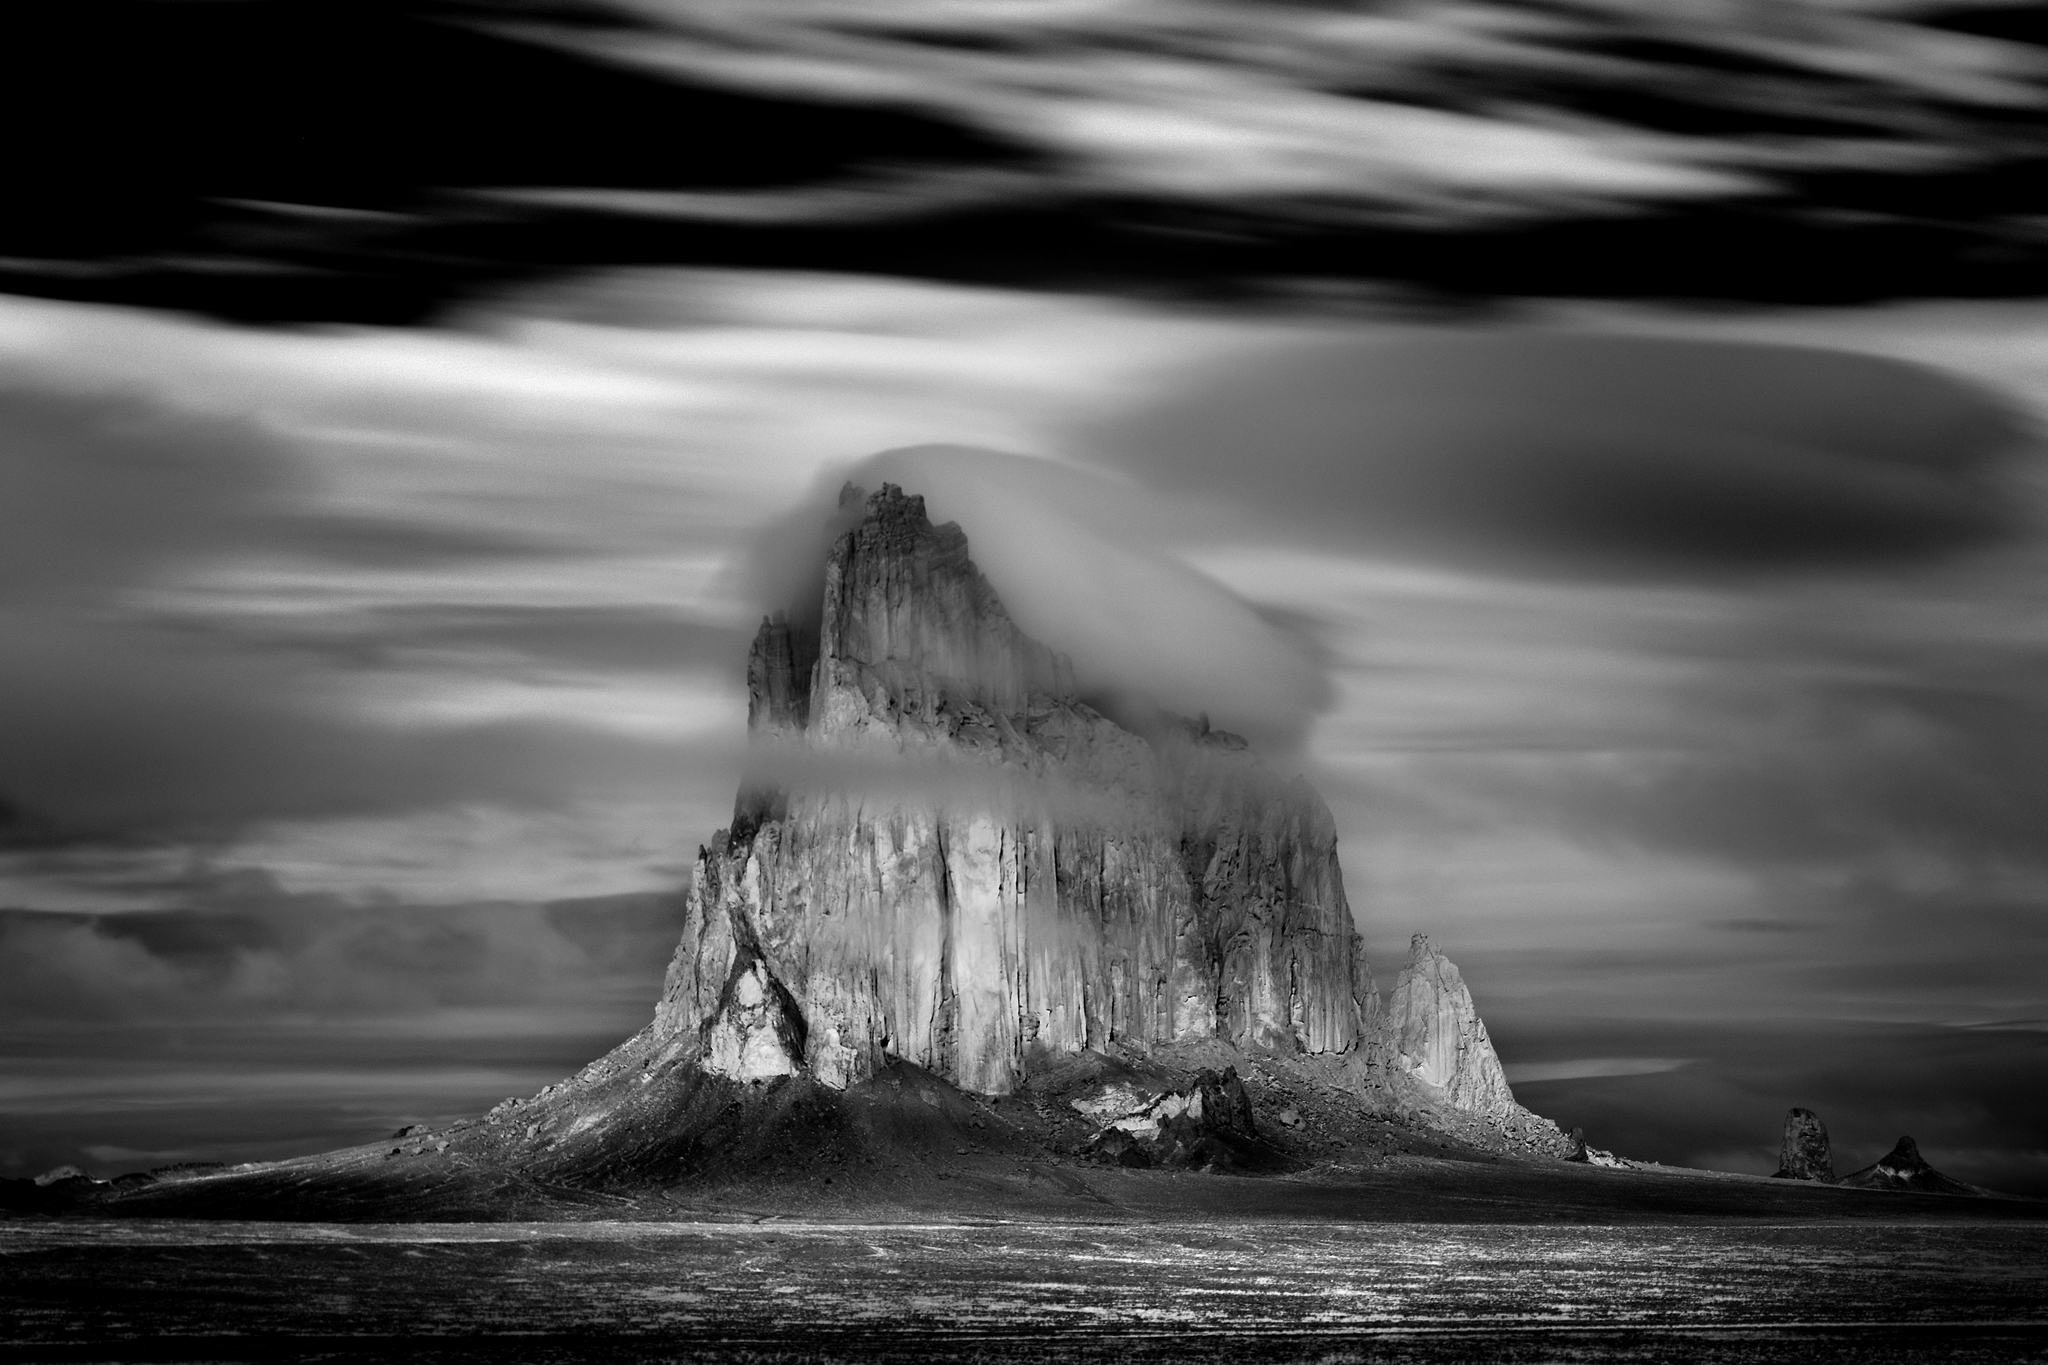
(644,1212)
(1263,1291)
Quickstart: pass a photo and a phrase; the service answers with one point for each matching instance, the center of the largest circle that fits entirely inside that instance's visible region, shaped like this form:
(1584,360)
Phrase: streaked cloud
(1434,109)
(1586,1068)
(1821,151)
(258,1022)
(444,614)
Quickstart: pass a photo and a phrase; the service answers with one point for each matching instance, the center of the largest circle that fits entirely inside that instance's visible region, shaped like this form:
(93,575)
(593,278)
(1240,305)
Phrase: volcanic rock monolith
(944,855)
(1805,1154)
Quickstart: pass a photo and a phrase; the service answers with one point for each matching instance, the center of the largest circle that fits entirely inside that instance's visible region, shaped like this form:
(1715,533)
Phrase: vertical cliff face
(779,676)
(956,861)
(1433,1034)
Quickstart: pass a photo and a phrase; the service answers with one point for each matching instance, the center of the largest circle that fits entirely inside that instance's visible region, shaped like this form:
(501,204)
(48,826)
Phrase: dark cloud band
(1584,454)
(286,161)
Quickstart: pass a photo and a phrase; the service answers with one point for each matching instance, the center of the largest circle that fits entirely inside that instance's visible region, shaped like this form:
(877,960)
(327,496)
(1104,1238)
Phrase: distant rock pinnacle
(1805,1154)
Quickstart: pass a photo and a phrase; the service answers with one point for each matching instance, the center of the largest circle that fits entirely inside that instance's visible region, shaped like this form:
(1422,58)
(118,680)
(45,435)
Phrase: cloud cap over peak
(1083,563)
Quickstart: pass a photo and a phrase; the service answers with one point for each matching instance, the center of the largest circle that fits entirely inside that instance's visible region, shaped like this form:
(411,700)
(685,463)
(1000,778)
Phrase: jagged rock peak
(906,626)
(1805,1154)
(1147,890)
(1435,1035)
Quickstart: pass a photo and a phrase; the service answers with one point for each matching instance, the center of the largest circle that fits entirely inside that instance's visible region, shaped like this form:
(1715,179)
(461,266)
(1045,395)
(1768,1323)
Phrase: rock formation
(946,856)
(1805,1155)
(1434,1034)
(1586,1154)
(1208,1126)
(1904,1169)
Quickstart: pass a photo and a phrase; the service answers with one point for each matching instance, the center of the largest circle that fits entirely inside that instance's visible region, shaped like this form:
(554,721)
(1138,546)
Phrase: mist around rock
(1084,562)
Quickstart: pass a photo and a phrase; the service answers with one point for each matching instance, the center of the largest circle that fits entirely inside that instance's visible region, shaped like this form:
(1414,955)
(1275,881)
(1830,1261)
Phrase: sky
(1620,491)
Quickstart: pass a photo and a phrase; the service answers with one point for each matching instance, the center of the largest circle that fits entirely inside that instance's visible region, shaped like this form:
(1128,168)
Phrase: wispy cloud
(1587,1068)
(445,615)
(1821,151)
(254,1021)
(1438,110)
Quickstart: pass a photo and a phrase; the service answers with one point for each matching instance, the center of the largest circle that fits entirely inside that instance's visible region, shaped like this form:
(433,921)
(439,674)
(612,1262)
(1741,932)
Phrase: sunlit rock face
(1434,1034)
(946,856)
(756,1031)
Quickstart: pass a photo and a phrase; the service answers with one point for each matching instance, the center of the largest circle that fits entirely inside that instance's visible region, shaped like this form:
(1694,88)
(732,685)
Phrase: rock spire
(1434,1034)
(1805,1154)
